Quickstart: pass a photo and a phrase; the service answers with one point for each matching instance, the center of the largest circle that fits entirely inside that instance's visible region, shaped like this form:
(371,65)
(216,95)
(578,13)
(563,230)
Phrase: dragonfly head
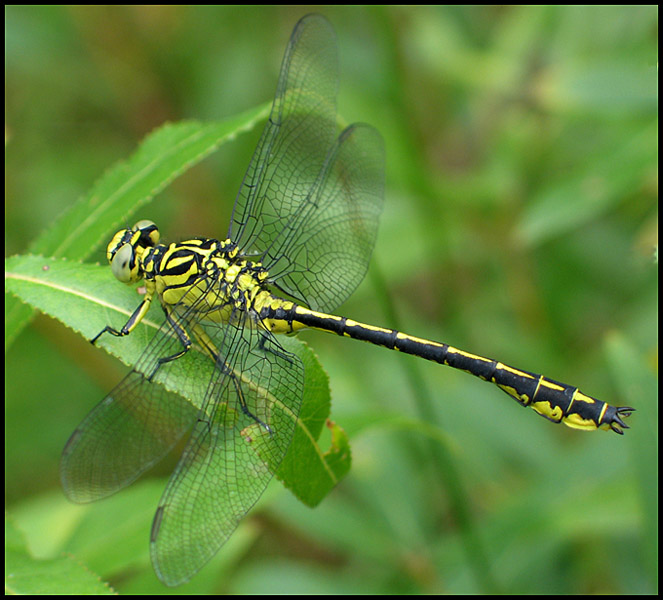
(126,250)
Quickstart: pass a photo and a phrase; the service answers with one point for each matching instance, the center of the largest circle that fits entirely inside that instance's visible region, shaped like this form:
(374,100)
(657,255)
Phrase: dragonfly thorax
(202,272)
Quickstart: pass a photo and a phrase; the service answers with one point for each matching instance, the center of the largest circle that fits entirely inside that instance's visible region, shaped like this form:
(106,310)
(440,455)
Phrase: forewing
(230,457)
(309,206)
(294,144)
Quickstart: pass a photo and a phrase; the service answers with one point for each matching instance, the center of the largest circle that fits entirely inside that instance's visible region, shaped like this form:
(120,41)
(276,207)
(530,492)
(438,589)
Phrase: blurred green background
(520,222)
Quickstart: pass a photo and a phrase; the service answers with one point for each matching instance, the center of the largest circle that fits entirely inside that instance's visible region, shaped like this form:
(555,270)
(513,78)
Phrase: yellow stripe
(405,336)
(356,324)
(299,310)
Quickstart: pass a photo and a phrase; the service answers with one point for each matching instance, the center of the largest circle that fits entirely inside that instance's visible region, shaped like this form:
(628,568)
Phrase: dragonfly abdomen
(556,401)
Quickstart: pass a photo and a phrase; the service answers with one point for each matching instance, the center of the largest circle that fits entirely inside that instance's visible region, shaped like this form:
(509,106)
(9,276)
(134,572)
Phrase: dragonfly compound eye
(149,233)
(123,264)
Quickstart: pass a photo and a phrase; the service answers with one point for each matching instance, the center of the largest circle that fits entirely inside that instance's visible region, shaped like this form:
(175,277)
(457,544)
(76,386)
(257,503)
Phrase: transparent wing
(295,141)
(130,429)
(309,206)
(230,457)
(323,254)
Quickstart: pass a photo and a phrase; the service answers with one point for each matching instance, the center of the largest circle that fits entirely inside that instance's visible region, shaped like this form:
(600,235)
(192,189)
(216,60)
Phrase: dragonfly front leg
(134,319)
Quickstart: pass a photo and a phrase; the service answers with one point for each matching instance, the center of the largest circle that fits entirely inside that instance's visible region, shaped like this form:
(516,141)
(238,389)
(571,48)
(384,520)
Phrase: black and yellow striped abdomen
(556,401)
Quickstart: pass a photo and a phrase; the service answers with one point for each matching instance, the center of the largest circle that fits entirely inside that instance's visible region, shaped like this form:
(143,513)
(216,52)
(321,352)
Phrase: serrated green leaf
(25,574)
(306,470)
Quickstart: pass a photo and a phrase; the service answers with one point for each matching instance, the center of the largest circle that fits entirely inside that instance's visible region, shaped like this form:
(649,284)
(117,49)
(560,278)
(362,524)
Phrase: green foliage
(520,222)
(27,575)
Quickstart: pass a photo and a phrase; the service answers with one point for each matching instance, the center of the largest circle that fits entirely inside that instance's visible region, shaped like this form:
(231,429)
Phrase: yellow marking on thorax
(247,282)
(231,273)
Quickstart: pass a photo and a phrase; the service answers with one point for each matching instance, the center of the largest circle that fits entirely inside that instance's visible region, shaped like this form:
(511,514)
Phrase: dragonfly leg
(274,347)
(184,339)
(245,408)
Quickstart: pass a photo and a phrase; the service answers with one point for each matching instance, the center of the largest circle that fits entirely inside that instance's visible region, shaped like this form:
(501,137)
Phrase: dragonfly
(301,235)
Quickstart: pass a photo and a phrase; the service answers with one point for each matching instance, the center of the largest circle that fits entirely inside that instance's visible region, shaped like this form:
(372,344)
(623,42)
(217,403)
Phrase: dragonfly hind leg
(210,349)
(245,408)
(275,348)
